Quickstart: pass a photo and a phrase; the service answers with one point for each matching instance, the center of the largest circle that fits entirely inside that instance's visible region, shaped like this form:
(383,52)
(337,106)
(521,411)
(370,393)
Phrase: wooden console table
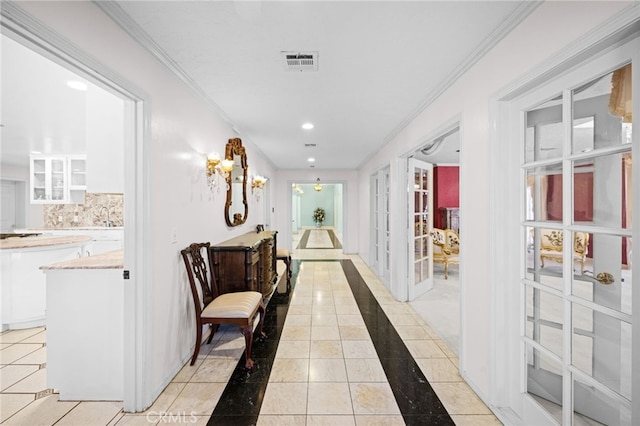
(246,262)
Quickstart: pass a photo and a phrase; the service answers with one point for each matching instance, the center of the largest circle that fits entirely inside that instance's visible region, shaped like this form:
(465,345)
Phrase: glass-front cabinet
(57,179)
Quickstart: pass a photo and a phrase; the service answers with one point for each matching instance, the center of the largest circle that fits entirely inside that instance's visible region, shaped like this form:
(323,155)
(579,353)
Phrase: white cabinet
(85,333)
(22,283)
(48,179)
(102,241)
(57,179)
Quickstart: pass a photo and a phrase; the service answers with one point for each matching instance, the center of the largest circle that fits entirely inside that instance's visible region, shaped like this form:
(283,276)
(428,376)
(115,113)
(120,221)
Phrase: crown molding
(518,15)
(118,15)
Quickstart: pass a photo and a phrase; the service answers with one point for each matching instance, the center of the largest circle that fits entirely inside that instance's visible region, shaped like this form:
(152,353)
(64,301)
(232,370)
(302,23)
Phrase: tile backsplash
(95,210)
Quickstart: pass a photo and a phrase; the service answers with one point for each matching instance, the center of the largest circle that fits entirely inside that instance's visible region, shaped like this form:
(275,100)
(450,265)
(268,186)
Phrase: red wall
(446,185)
(582,200)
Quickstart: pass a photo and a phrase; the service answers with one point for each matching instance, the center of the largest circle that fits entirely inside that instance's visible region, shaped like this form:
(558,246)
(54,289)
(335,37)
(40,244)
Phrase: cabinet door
(77,165)
(49,183)
(39,180)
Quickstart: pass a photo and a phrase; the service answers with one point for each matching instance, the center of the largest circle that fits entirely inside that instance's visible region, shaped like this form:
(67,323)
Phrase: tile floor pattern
(325,369)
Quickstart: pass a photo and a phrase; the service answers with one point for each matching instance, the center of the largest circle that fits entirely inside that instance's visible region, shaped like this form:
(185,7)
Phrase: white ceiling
(380,63)
(40,113)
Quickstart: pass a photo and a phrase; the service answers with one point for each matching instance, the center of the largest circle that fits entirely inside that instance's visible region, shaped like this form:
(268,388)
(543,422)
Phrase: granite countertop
(73,228)
(41,241)
(109,260)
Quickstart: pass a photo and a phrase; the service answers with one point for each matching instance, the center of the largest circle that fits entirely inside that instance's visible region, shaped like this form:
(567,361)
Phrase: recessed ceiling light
(311,159)
(77,85)
(307,126)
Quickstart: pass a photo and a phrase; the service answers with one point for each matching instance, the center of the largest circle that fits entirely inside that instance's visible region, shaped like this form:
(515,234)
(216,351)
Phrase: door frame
(31,33)
(400,228)
(507,385)
(287,235)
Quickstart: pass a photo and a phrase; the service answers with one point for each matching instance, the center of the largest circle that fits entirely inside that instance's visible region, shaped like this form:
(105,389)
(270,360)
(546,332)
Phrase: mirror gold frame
(236,180)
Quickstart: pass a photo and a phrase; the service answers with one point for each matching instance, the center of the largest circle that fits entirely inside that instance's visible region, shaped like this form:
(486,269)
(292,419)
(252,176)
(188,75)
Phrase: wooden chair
(285,256)
(213,308)
(446,248)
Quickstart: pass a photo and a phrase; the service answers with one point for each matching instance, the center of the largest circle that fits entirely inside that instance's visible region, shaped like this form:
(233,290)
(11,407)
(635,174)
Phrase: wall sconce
(217,167)
(317,186)
(296,188)
(257,185)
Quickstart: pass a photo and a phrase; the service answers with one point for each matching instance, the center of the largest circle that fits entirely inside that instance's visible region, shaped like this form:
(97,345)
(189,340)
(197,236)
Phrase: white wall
(33,212)
(550,28)
(105,141)
(183,128)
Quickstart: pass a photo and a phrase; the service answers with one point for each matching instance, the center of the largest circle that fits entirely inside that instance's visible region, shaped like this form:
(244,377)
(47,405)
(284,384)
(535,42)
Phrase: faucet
(107,223)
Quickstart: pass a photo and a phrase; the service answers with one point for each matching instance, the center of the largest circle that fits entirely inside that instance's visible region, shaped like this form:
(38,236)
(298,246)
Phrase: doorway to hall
(317,219)
(437,238)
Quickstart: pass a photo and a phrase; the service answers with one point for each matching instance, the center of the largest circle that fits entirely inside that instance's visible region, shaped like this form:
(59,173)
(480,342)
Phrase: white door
(381,224)
(577,228)
(8,213)
(420,208)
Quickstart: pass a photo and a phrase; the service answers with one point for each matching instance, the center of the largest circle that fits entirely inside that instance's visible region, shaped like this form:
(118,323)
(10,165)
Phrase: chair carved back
(446,241)
(197,271)
(453,240)
(553,240)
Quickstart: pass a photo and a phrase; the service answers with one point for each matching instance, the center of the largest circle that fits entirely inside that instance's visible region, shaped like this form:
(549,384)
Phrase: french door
(577,215)
(381,224)
(420,210)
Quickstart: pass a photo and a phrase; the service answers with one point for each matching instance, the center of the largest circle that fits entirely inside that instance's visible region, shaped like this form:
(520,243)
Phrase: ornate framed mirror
(236,208)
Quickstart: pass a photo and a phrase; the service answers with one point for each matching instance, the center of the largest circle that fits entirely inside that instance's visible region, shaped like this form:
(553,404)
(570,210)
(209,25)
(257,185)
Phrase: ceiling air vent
(310,145)
(300,61)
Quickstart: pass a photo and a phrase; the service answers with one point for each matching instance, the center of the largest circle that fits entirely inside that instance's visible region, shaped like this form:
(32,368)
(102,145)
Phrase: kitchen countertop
(41,241)
(109,260)
(72,228)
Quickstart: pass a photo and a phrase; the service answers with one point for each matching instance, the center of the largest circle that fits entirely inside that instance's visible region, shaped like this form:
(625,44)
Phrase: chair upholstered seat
(233,305)
(285,256)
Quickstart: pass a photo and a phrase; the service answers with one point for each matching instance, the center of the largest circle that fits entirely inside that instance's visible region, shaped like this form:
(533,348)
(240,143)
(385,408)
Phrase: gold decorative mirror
(236,209)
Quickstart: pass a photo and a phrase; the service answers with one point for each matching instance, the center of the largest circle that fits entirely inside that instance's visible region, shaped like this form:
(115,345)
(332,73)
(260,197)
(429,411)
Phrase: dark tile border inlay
(241,399)
(416,399)
(302,244)
(334,240)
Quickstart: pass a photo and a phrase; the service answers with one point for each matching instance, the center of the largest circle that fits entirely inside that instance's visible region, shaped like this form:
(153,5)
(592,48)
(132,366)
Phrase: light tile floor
(325,372)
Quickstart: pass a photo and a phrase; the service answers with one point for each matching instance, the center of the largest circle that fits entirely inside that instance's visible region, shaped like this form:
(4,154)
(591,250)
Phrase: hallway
(320,365)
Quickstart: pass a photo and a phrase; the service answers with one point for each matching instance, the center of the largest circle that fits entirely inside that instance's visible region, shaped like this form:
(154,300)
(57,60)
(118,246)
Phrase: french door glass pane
(602,348)
(544,381)
(613,290)
(544,255)
(543,137)
(601,111)
(544,319)
(544,193)
(603,180)
(594,407)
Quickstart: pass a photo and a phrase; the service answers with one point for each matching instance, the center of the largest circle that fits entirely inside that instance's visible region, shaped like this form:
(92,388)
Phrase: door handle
(605,278)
